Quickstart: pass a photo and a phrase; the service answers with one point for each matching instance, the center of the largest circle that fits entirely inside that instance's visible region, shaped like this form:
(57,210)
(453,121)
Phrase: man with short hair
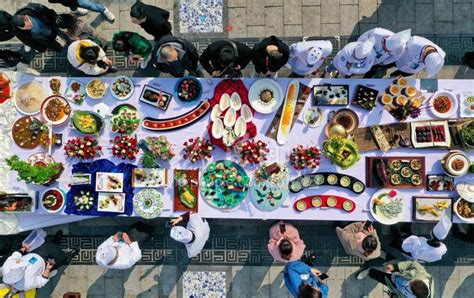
(225,58)
(269,55)
(152,19)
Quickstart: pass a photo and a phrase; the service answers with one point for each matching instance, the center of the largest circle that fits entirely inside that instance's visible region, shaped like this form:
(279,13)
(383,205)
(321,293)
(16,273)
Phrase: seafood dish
(55,109)
(188,89)
(80,179)
(186,190)
(177,122)
(148,203)
(87,122)
(331,95)
(269,188)
(395,172)
(365,97)
(430,208)
(444,104)
(96,89)
(109,182)
(53,200)
(155,97)
(287,114)
(125,119)
(111,202)
(326,179)
(265,96)
(430,134)
(122,88)
(324,202)
(149,177)
(387,206)
(29,97)
(439,183)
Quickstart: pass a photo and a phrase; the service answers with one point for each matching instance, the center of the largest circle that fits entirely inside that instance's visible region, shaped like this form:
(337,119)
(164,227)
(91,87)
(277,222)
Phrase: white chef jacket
(420,250)
(382,57)
(128,255)
(298,53)
(346,56)
(33,271)
(200,229)
(411,60)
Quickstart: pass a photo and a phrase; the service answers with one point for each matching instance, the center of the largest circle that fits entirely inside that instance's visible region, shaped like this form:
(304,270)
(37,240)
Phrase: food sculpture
(39,172)
(343,152)
(178,122)
(186,189)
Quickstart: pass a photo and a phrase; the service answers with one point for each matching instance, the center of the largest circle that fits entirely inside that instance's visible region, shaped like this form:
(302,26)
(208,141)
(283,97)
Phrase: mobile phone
(282,228)
(119,234)
(367,224)
(323,276)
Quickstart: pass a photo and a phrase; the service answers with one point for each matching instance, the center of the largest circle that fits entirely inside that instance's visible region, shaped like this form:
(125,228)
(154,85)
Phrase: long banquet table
(300,134)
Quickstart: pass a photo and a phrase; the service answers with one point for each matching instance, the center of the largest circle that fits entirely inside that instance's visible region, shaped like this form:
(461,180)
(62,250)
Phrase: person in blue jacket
(303,281)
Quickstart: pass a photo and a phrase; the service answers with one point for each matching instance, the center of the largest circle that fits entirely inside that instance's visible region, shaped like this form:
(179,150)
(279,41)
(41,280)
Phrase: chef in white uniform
(420,53)
(194,235)
(356,57)
(429,250)
(307,56)
(118,253)
(388,45)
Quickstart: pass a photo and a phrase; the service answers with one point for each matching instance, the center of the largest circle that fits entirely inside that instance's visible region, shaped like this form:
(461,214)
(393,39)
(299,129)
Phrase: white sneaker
(109,15)
(80,11)
(144,63)
(27,48)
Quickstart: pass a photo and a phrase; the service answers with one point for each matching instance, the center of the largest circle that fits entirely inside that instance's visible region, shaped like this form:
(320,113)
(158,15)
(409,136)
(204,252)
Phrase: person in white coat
(307,56)
(86,56)
(355,58)
(420,53)
(388,47)
(194,235)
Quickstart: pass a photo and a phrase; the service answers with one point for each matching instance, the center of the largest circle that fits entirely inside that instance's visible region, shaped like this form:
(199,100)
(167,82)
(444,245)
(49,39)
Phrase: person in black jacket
(35,26)
(81,7)
(7,31)
(270,55)
(225,58)
(175,55)
(152,19)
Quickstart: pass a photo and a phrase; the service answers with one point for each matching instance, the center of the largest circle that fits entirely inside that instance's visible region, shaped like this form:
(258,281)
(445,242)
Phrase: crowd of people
(40,28)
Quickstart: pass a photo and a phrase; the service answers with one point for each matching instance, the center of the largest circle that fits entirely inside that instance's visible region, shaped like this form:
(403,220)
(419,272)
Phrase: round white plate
(258,87)
(382,219)
(454,105)
(132,89)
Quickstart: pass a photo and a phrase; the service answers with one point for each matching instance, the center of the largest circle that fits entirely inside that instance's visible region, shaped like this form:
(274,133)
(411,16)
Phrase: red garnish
(252,152)
(83,148)
(305,157)
(124,147)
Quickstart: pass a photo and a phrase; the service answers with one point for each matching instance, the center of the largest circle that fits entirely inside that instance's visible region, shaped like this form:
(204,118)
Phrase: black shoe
(72,254)
(112,69)
(58,236)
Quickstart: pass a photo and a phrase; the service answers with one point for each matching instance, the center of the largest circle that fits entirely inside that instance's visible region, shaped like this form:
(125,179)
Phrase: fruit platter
(439,183)
(444,104)
(430,134)
(269,188)
(148,203)
(56,110)
(188,89)
(365,97)
(155,97)
(88,123)
(96,89)
(324,202)
(387,206)
(326,179)
(395,172)
(29,97)
(331,95)
(122,88)
(186,190)
(111,202)
(431,208)
(125,119)
(265,96)
(224,184)
(53,200)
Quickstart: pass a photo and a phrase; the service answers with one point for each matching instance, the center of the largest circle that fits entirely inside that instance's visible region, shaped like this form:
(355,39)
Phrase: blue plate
(179,84)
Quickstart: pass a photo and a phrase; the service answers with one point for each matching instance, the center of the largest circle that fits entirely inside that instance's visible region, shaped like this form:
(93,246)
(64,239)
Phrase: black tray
(325,182)
(365,94)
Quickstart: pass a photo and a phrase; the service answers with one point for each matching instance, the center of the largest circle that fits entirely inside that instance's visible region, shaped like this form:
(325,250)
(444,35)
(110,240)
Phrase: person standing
(88,57)
(360,239)
(77,29)
(307,56)
(176,56)
(285,244)
(81,7)
(135,47)
(7,31)
(194,235)
(420,53)
(269,55)
(225,58)
(303,281)
(152,19)
(355,58)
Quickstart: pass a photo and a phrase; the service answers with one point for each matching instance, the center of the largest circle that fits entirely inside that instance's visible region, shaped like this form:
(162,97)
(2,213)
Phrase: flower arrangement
(83,148)
(252,152)
(37,174)
(305,157)
(196,149)
(125,147)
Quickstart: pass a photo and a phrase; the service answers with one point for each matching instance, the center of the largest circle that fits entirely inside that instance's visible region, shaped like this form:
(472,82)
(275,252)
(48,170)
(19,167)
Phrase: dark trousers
(379,276)
(140,232)
(53,251)
(400,232)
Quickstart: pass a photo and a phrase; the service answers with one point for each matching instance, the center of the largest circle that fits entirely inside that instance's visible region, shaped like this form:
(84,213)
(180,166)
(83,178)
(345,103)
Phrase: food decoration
(55,109)
(196,149)
(148,203)
(456,163)
(188,89)
(313,117)
(156,148)
(75,92)
(186,190)
(444,104)
(330,95)
(80,179)
(265,96)
(29,97)
(87,122)
(22,203)
(5,88)
(467,104)
(55,85)
(288,112)
(124,147)
(146,177)
(439,183)
(430,208)
(387,207)
(467,135)
(252,152)
(402,101)
(40,169)
(430,134)
(224,184)
(111,202)
(122,88)
(125,119)
(53,200)
(83,148)
(343,152)
(96,89)
(324,202)
(155,97)
(395,172)
(84,200)
(177,122)
(347,118)
(109,182)
(305,157)
(270,186)
(326,178)
(365,97)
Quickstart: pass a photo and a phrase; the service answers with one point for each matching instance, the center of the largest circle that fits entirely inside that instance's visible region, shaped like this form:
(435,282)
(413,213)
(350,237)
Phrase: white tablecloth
(300,134)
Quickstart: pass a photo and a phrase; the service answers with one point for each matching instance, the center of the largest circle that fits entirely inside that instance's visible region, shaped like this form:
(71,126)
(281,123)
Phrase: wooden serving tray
(324,198)
(372,178)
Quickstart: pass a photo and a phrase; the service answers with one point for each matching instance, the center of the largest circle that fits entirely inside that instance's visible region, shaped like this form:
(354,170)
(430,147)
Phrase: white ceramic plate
(260,106)
(468,220)
(382,219)
(129,81)
(148,203)
(454,105)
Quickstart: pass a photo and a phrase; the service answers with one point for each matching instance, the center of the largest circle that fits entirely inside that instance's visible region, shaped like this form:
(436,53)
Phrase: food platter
(324,202)
(177,122)
(109,182)
(188,89)
(86,122)
(395,172)
(464,210)
(148,203)
(287,113)
(455,163)
(430,134)
(365,97)
(387,206)
(313,117)
(265,96)
(331,95)
(111,202)
(155,97)
(122,88)
(467,104)
(55,109)
(27,133)
(96,89)
(439,183)
(347,118)
(83,198)
(224,184)
(29,97)
(444,104)
(149,177)
(125,119)
(326,179)
(75,92)
(186,190)
(431,208)
(53,200)
(269,188)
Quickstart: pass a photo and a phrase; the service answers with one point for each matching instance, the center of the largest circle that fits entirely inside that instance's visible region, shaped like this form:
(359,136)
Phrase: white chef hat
(441,229)
(13,270)
(398,40)
(434,62)
(181,234)
(314,55)
(105,255)
(363,49)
